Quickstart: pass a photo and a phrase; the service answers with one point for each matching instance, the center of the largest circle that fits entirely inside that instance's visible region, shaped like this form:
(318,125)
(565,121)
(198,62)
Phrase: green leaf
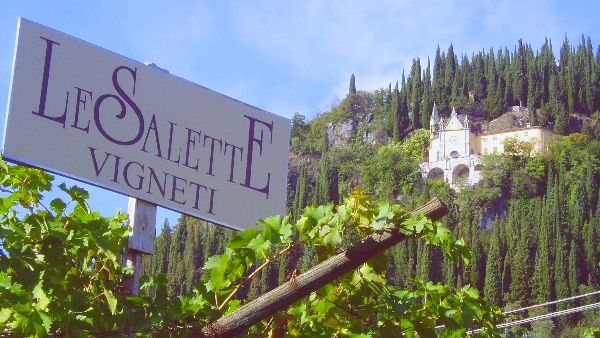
(260,245)
(5,315)
(285,232)
(368,274)
(194,304)
(58,205)
(360,335)
(331,236)
(232,305)
(271,226)
(421,223)
(40,295)
(217,265)
(242,238)
(46,321)
(471,291)
(111,300)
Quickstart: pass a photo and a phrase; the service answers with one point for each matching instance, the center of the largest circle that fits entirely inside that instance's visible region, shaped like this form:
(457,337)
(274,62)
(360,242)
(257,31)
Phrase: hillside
(532,224)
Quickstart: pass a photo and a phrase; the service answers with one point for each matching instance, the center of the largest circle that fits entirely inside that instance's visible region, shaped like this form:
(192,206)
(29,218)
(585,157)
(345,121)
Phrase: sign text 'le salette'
(84,112)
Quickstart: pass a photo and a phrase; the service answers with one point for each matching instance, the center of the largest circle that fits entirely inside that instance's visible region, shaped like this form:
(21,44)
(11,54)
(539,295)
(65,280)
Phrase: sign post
(142,221)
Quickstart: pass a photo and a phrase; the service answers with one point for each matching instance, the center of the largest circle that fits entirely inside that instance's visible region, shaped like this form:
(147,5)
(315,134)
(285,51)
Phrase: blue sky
(292,56)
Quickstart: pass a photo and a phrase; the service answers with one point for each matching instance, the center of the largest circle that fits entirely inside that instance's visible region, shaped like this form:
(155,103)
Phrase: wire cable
(544,316)
(543,304)
(552,302)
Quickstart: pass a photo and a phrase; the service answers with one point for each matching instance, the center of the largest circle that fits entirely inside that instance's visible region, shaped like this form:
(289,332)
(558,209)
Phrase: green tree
(416,93)
(493,271)
(396,112)
(542,275)
(427,99)
(300,193)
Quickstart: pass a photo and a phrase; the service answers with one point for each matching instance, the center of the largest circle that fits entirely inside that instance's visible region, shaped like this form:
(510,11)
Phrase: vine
(61,273)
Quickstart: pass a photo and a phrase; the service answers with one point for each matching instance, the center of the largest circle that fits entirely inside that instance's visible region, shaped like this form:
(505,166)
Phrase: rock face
(339,134)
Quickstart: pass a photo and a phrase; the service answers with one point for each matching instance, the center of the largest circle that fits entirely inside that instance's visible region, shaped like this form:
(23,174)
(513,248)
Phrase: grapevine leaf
(260,245)
(331,236)
(58,205)
(5,315)
(286,232)
(242,238)
(111,300)
(40,295)
(46,321)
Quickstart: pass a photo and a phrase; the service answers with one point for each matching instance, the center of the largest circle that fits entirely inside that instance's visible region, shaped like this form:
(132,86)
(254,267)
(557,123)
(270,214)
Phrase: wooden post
(301,286)
(142,221)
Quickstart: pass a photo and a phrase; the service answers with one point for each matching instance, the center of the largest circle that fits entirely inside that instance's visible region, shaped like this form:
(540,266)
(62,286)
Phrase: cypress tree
(561,275)
(449,71)
(520,73)
(423,261)
(479,84)
(176,268)
(438,84)
(547,65)
(507,78)
(573,269)
(542,271)
(193,258)
(326,190)
(532,86)
(160,258)
(427,99)
(412,258)
(589,77)
(397,116)
(403,106)
(591,234)
(520,272)
(322,189)
(352,86)
(301,194)
(493,271)
(416,93)
(570,86)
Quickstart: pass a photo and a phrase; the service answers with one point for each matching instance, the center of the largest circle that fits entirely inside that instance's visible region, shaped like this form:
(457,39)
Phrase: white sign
(90,114)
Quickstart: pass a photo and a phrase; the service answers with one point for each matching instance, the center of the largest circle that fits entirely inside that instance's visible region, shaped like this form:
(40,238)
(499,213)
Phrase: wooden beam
(315,278)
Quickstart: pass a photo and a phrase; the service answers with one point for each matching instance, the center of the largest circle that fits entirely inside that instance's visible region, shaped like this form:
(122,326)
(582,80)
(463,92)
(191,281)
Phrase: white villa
(456,146)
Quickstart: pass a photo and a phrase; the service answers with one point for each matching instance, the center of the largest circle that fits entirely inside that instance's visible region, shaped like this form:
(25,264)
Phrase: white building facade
(453,155)
(455,150)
